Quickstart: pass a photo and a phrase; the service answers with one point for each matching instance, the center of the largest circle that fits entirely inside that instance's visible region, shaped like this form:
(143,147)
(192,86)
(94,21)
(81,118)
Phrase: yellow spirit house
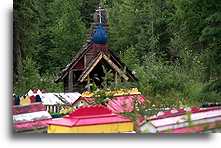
(89,63)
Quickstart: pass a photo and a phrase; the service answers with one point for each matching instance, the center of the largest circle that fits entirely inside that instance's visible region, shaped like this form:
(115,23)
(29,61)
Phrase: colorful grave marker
(190,120)
(92,119)
(30,117)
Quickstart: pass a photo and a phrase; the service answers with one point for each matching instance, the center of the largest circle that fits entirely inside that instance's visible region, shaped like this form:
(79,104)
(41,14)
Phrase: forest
(174,46)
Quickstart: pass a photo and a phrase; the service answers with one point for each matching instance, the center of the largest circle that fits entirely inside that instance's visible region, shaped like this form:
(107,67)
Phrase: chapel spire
(99,35)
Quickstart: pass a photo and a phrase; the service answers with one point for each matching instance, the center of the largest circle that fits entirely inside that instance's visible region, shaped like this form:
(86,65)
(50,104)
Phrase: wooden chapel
(88,64)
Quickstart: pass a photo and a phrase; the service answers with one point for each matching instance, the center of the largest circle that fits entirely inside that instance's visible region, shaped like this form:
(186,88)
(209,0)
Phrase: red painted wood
(195,129)
(34,107)
(80,64)
(124,103)
(90,111)
(179,112)
(31,125)
(32,98)
(92,115)
(99,46)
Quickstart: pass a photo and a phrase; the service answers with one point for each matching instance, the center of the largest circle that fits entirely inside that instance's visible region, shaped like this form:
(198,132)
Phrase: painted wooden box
(190,120)
(91,119)
(30,118)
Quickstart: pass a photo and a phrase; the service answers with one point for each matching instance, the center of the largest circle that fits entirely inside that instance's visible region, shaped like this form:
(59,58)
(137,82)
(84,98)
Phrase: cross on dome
(99,35)
(99,10)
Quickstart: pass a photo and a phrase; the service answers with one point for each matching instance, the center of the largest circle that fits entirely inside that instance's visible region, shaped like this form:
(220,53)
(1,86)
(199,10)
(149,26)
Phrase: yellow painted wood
(25,101)
(118,92)
(61,129)
(103,128)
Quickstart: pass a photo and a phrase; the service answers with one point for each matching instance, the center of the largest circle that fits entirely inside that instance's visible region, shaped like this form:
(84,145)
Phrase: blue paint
(100,35)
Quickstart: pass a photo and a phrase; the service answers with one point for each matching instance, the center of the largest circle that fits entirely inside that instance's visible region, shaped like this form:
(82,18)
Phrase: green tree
(29,76)
(24,33)
(68,31)
(212,35)
(141,24)
(87,10)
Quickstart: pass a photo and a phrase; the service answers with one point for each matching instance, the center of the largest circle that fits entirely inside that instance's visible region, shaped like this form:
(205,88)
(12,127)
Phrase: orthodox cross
(99,10)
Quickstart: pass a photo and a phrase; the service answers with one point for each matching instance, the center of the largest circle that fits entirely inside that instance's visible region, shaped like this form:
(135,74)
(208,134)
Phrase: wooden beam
(70,80)
(90,68)
(78,69)
(77,58)
(88,79)
(121,66)
(85,61)
(125,69)
(115,77)
(112,56)
(115,67)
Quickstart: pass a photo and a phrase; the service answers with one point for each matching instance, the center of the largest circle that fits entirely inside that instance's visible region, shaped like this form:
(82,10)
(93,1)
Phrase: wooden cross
(99,13)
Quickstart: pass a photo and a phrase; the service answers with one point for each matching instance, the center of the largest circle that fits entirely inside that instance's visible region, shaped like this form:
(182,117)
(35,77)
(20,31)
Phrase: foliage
(66,110)
(107,79)
(30,79)
(165,82)
(172,46)
(87,11)
(55,115)
(47,83)
(48,32)
(145,109)
(131,57)
(101,96)
(29,76)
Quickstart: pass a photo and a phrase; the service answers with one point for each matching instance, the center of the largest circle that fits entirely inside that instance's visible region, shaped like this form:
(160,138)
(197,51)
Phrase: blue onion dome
(100,35)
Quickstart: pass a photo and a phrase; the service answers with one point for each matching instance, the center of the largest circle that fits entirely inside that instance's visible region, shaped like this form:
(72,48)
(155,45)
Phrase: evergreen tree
(24,33)
(211,34)
(68,32)
(29,76)
(147,34)
(87,9)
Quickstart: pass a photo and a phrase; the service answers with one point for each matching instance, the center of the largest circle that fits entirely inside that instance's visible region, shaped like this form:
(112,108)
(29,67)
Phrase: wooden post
(115,77)
(125,69)
(90,68)
(85,61)
(115,67)
(70,81)
(88,79)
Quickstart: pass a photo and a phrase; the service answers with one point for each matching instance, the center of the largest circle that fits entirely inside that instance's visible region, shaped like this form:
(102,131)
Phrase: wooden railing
(55,108)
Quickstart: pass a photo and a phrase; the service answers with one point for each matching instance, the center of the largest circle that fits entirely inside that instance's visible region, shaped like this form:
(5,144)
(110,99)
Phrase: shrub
(30,78)
(167,82)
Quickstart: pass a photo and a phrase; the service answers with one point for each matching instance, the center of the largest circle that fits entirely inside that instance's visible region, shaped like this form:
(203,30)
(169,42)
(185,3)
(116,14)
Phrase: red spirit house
(88,64)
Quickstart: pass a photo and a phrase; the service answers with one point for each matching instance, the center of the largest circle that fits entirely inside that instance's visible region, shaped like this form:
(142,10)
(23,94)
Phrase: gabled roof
(74,61)
(94,62)
(90,67)
(90,115)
